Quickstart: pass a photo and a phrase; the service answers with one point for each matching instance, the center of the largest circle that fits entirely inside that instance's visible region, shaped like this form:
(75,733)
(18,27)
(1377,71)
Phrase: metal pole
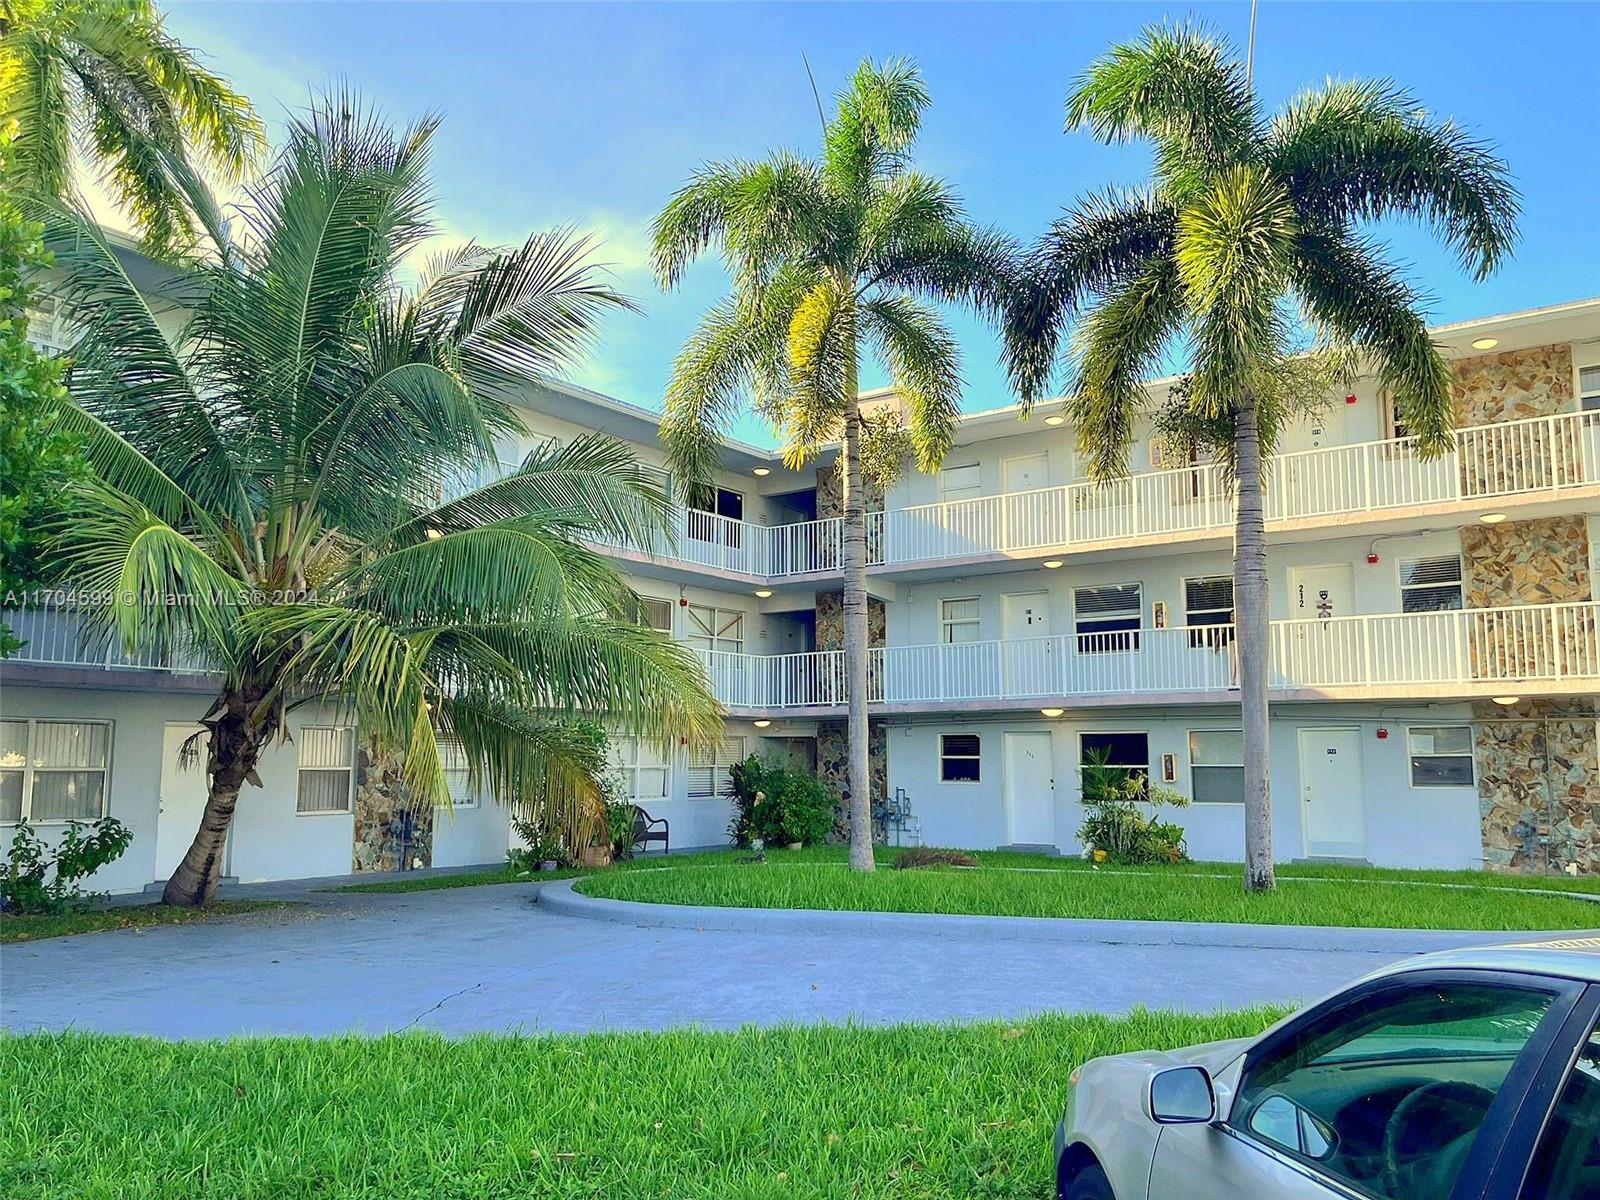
(1250,48)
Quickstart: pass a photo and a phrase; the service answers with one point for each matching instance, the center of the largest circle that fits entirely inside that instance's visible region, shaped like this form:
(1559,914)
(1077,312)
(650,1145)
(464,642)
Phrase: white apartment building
(1435,646)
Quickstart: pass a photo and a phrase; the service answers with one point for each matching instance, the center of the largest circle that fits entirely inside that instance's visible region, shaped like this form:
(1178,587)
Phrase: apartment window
(958,620)
(1130,752)
(457,774)
(1589,389)
(643,768)
(1208,609)
(960,483)
(1430,584)
(656,613)
(327,769)
(1216,766)
(958,758)
(719,629)
(1393,425)
(708,769)
(1441,755)
(1107,618)
(53,770)
(48,331)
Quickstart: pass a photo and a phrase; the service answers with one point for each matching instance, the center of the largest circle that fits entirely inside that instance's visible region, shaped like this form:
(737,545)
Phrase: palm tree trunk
(1252,632)
(236,742)
(856,641)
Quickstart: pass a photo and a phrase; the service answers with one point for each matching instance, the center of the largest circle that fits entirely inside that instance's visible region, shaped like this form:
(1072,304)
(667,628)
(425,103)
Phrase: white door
(1025,649)
(183,799)
(1030,789)
(1025,473)
(1333,809)
(1323,650)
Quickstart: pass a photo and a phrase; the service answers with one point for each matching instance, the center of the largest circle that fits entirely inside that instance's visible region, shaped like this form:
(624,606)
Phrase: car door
(1398,1089)
(1565,1163)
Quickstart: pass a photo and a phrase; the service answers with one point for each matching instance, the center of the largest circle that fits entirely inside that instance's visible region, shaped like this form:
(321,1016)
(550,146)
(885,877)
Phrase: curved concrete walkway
(489,959)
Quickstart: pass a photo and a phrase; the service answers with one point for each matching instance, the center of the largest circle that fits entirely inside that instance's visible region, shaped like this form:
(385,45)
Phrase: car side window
(1566,1164)
(1387,1092)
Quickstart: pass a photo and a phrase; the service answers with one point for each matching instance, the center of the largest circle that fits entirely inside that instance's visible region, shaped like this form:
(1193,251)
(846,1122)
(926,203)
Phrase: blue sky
(593,114)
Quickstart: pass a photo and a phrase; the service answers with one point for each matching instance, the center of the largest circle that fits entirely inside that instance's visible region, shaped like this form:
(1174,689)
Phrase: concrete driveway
(487,959)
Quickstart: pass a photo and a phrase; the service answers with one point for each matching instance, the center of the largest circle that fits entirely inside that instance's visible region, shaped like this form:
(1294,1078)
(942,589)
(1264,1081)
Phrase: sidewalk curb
(560,899)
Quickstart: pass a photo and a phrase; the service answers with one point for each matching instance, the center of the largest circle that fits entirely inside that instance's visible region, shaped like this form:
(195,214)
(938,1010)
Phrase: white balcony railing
(1541,454)
(1467,652)
(1514,458)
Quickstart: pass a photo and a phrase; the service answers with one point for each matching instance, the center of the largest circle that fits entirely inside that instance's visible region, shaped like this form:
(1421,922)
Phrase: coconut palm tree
(103,79)
(1246,215)
(829,258)
(277,488)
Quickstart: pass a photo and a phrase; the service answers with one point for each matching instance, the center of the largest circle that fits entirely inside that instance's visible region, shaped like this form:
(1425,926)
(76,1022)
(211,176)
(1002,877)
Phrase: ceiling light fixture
(1052,712)
(761,724)
(1052,563)
(763,593)
(1485,343)
(1507,701)
(762,471)
(1492,518)
(1055,419)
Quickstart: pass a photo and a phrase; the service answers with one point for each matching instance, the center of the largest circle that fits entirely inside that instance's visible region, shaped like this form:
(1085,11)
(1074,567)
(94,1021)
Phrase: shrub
(620,815)
(543,846)
(84,848)
(1116,827)
(778,804)
(932,856)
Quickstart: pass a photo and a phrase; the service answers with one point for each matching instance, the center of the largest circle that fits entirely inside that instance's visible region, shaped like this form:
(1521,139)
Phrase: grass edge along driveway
(1347,897)
(912,1112)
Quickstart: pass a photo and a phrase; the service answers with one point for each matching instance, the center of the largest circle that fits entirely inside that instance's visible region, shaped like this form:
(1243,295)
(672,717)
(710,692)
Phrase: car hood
(1213,1056)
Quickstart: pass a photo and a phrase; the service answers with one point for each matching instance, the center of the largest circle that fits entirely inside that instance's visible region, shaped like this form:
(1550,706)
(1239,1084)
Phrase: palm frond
(924,361)
(871,133)
(1363,151)
(35,97)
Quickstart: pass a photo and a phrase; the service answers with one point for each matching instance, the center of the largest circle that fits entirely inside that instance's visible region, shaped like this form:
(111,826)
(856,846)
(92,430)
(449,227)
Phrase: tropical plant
(777,804)
(1244,216)
(39,460)
(1115,824)
(268,489)
(829,258)
(104,81)
(37,879)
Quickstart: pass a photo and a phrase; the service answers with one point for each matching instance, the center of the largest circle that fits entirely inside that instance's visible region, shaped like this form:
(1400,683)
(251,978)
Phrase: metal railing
(1469,651)
(64,638)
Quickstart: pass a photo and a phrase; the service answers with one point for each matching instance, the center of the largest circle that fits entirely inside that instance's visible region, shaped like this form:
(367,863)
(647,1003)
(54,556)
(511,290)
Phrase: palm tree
(104,79)
(278,467)
(829,257)
(1244,216)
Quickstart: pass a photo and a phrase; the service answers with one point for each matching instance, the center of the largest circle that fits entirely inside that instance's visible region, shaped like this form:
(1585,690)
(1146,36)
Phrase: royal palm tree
(829,258)
(1246,216)
(285,470)
(104,80)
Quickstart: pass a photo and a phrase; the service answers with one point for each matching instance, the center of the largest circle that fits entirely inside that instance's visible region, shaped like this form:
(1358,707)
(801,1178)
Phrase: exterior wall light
(1492,518)
(1485,343)
(762,471)
(763,593)
(1052,712)
(1507,701)
(761,724)
(1055,419)
(1052,563)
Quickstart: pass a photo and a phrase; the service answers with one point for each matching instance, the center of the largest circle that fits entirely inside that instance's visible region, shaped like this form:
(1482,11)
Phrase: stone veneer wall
(1539,786)
(1536,382)
(1544,561)
(381,798)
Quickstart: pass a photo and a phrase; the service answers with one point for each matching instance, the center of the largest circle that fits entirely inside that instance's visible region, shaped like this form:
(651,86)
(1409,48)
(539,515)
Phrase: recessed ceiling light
(1055,419)
(1492,518)
(1485,343)
(762,471)
(1052,712)
(761,724)
(763,593)
(1507,701)
(1052,563)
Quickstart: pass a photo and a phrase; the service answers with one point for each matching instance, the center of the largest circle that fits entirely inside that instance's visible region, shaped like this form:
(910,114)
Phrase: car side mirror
(1183,1096)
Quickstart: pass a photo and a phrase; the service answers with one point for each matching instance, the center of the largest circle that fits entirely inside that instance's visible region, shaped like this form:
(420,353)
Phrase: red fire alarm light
(1383,735)
(1349,399)
(1372,557)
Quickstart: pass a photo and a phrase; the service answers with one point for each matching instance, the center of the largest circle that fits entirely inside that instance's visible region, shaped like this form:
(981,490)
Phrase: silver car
(1469,1074)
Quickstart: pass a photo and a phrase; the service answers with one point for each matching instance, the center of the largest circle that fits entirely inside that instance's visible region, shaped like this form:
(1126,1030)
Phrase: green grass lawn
(910,1113)
(132,916)
(1070,888)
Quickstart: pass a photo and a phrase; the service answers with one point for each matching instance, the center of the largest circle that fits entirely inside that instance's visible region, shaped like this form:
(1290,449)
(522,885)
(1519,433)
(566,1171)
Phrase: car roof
(1569,958)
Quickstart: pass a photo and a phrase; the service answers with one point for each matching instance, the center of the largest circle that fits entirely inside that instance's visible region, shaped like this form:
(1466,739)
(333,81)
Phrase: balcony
(1514,464)
(1539,649)
(1551,649)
